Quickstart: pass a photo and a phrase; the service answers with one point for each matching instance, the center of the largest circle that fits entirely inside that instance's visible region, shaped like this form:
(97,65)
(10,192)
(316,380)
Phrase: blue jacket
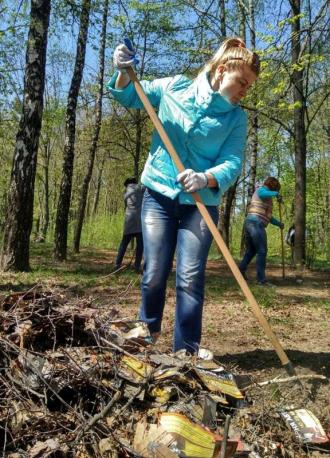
(207,131)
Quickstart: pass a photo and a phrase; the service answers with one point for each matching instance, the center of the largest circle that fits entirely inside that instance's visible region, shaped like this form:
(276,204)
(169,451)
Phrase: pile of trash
(76,379)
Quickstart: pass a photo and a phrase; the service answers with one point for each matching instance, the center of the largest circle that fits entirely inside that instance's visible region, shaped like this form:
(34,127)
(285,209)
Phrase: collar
(207,99)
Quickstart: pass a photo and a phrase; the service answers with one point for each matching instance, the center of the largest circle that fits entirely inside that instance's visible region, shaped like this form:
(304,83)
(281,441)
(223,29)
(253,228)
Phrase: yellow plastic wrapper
(218,383)
(191,439)
(134,369)
(162,394)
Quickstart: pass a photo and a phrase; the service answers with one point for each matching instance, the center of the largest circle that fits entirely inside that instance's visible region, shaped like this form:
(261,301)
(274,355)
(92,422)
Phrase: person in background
(208,129)
(289,238)
(132,225)
(258,217)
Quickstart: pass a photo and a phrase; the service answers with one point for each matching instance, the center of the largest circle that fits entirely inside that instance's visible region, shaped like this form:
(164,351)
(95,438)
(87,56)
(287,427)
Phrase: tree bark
(62,216)
(97,127)
(45,220)
(222,7)
(98,186)
(138,143)
(242,10)
(18,226)
(254,119)
(299,138)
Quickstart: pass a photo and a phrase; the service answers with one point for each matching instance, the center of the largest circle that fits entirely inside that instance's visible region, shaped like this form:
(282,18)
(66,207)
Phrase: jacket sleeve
(275,222)
(231,156)
(265,193)
(128,96)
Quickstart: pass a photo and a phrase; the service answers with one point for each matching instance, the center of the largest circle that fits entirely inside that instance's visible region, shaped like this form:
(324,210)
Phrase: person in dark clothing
(132,225)
(289,238)
(258,217)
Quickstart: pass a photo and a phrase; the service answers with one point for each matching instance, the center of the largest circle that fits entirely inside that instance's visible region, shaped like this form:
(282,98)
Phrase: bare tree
(18,226)
(97,127)
(62,216)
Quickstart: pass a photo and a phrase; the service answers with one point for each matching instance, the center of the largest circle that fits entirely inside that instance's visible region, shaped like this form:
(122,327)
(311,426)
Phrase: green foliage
(103,231)
(170,37)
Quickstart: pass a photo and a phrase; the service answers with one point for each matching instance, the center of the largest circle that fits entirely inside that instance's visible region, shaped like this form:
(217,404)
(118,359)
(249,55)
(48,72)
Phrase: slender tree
(98,184)
(18,226)
(254,115)
(97,127)
(62,216)
(300,147)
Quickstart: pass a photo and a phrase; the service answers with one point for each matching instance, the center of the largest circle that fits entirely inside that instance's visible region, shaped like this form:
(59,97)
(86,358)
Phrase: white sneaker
(205,354)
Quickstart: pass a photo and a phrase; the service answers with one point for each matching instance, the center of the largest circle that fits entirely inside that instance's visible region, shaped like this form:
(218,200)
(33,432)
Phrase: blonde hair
(232,53)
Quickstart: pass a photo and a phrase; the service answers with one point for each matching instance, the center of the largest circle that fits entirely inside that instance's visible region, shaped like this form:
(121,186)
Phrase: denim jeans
(123,246)
(256,244)
(168,226)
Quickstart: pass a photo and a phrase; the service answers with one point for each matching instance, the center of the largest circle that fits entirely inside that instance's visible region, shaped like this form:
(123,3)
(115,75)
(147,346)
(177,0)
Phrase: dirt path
(299,315)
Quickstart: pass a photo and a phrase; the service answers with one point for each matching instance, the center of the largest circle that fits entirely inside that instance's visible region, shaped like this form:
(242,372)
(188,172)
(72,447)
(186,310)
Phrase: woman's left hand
(192,181)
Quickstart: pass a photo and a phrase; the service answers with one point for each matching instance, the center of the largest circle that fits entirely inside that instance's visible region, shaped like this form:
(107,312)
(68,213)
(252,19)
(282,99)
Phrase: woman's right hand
(123,57)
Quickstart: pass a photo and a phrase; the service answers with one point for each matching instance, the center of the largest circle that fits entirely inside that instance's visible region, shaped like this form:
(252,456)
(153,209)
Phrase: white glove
(192,181)
(123,57)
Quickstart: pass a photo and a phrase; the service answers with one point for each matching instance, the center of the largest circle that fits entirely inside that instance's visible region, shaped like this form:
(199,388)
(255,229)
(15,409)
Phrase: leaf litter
(79,380)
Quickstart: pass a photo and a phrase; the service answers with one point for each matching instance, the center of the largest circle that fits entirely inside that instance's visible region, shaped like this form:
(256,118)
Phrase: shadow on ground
(267,359)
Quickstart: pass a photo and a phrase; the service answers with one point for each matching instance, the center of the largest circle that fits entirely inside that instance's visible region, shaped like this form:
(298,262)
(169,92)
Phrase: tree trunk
(222,7)
(254,120)
(97,127)
(18,226)
(227,198)
(299,139)
(138,142)
(242,10)
(98,186)
(45,220)
(62,217)
(226,212)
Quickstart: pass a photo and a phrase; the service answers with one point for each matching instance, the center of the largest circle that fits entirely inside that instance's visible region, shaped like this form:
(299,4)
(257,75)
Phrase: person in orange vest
(258,217)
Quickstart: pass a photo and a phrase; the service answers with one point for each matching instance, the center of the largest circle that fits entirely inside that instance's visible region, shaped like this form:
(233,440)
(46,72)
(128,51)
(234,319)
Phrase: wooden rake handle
(212,227)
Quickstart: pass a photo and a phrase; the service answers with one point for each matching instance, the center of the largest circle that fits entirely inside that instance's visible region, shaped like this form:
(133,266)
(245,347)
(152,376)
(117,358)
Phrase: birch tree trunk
(62,216)
(97,127)
(18,226)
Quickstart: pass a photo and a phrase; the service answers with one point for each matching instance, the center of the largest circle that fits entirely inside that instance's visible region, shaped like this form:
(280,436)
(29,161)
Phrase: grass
(86,270)
(80,271)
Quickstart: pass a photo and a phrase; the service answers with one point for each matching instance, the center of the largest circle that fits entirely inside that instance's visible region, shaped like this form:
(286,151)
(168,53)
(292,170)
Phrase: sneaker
(205,354)
(265,283)
(152,339)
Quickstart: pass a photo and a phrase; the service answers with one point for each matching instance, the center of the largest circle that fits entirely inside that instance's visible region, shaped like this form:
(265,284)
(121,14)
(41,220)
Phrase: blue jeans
(168,226)
(256,244)
(123,247)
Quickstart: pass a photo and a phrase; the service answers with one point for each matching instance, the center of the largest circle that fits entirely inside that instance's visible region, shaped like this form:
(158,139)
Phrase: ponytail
(232,53)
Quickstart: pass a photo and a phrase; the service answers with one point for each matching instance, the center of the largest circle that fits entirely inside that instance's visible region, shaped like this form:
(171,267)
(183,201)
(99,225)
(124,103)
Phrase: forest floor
(297,313)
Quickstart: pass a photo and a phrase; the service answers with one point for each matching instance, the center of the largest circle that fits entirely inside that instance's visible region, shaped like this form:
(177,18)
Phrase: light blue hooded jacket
(207,132)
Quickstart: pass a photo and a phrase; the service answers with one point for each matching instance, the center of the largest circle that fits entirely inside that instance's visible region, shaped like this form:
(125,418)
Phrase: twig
(287,379)
(128,403)
(119,349)
(99,416)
